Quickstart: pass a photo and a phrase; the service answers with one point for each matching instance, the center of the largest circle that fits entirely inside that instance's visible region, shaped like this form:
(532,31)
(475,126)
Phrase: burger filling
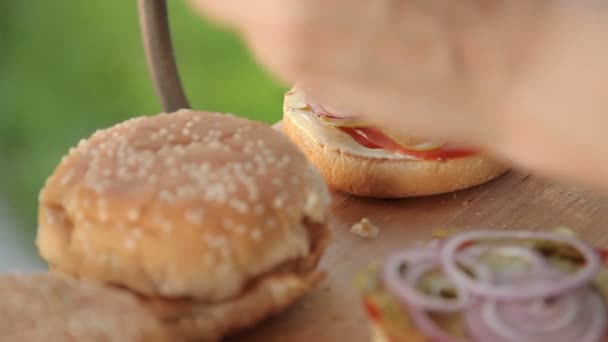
(491,286)
(373,138)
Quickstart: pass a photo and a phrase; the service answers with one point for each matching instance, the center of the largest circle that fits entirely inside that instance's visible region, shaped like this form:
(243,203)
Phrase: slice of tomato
(372,311)
(374,139)
(603,254)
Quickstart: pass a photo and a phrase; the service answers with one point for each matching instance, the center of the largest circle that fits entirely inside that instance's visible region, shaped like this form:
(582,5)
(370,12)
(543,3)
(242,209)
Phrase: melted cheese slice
(331,137)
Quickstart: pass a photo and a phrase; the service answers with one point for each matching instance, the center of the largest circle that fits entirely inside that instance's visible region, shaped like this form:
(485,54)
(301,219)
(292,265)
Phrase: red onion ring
(505,305)
(328,112)
(419,262)
(577,316)
(530,290)
(429,327)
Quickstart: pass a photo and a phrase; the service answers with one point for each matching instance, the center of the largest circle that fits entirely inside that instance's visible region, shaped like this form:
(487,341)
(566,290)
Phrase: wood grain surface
(515,201)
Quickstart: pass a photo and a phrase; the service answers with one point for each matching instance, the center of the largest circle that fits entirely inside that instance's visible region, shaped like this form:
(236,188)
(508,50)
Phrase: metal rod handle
(156,36)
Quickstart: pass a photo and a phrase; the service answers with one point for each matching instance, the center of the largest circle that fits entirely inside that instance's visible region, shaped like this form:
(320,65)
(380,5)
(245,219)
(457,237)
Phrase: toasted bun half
(188,206)
(350,167)
(45,307)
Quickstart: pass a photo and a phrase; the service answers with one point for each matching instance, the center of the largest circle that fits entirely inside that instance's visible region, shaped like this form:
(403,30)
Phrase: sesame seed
(227,223)
(141,173)
(208,259)
(278,202)
(179,150)
(51,218)
(102,202)
(103,257)
(223,270)
(216,193)
(239,206)
(231,188)
(130,244)
(67,177)
(259,209)
(136,233)
(167,227)
(98,188)
(186,192)
(133,214)
(272,223)
(285,161)
(256,234)
(194,217)
(240,229)
(103,216)
(166,196)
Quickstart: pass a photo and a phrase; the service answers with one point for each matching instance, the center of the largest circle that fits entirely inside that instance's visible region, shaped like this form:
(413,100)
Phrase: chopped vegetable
(493,286)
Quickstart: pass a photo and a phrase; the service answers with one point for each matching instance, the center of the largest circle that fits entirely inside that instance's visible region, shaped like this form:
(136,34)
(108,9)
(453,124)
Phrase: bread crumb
(365,229)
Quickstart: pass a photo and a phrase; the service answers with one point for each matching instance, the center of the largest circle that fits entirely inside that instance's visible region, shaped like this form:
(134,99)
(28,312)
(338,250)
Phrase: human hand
(410,61)
(519,78)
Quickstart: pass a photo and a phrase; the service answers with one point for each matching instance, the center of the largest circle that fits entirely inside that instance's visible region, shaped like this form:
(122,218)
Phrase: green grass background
(69,67)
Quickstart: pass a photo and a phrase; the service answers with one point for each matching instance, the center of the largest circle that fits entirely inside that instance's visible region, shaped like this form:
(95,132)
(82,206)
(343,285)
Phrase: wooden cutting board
(515,201)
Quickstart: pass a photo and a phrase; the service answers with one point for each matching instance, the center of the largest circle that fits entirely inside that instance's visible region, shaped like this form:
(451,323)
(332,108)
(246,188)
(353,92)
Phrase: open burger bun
(194,210)
(353,168)
(45,307)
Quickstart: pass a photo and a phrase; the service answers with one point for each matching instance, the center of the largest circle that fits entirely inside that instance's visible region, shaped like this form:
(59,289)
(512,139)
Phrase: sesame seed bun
(350,167)
(44,307)
(192,205)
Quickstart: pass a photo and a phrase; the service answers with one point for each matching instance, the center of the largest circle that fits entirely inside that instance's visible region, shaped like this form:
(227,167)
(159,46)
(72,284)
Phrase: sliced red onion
(428,326)
(540,288)
(318,109)
(328,112)
(577,316)
(418,262)
(538,303)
